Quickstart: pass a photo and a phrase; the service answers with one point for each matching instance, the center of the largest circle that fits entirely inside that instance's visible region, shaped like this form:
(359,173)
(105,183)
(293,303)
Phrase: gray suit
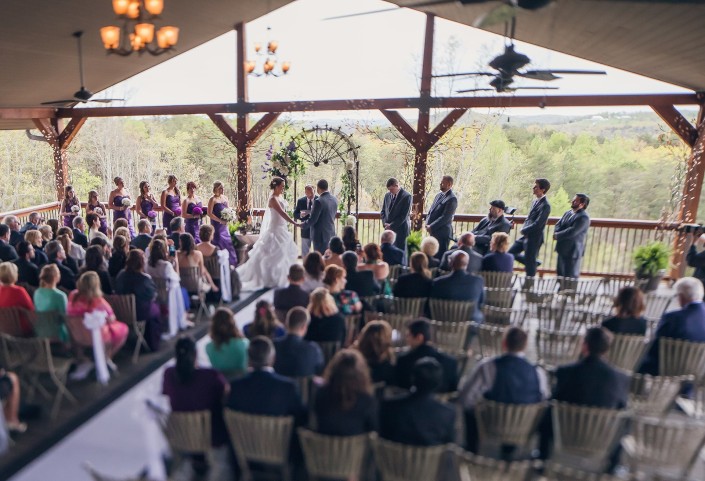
(322,221)
(571,232)
(396,214)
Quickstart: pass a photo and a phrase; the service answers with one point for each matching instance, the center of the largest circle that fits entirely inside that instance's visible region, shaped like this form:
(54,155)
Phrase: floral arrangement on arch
(285,162)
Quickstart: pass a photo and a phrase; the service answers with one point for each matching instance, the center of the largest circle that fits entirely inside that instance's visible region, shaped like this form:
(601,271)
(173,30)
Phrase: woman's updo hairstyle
(276,182)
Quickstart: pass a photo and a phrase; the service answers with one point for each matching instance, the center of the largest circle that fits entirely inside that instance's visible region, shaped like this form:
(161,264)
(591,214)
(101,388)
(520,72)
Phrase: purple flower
(292,146)
(196,211)
(177,211)
(151,214)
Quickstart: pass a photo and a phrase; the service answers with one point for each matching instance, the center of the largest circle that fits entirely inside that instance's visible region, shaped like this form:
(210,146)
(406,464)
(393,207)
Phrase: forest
(630,165)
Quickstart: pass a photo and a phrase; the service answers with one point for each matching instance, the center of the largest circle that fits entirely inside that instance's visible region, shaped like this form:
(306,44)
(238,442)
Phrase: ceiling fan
(82,95)
(509,64)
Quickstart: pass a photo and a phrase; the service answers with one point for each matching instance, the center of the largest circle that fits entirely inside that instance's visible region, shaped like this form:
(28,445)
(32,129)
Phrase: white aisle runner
(122,439)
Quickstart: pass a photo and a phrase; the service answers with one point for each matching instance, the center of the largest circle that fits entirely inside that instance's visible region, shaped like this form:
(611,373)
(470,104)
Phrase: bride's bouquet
(227,214)
(75,209)
(126,202)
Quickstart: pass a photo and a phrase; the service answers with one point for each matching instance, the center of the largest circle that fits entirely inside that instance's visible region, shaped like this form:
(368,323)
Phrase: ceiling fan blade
(106,101)
(534,88)
(473,90)
(463,74)
(544,75)
(60,102)
(428,3)
(577,72)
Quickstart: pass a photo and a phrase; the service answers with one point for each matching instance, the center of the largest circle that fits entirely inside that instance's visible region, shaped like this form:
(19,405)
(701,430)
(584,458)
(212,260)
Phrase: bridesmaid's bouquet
(75,209)
(227,214)
(177,211)
(152,215)
(98,211)
(196,211)
(126,202)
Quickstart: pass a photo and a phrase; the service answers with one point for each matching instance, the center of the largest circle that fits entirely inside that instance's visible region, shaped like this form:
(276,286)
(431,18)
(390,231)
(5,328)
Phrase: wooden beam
(677,122)
(261,126)
(241,56)
(401,125)
(388,104)
(443,127)
(18,113)
(70,131)
(225,128)
(48,131)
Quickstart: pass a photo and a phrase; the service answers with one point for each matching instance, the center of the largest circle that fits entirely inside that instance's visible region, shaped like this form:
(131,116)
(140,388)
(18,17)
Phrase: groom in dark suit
(532,232)
(322,219)
(302,212)
(570,234)
(396,208)
(439,220)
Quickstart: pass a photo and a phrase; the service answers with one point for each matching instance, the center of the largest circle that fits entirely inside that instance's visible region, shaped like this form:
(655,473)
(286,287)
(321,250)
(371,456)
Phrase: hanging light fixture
(267,62)
(138,33)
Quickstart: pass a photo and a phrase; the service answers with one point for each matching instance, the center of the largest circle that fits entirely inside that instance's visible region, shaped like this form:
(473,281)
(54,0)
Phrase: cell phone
(172,251)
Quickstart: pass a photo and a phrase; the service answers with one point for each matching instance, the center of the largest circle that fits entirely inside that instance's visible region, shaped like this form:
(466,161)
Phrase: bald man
(460,285)
(466,242)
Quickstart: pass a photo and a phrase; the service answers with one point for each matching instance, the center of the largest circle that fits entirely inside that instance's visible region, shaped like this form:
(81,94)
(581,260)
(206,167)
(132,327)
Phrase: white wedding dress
(271,256)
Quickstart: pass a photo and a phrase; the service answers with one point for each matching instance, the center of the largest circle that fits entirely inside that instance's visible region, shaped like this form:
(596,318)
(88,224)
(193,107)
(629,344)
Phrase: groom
(322,220)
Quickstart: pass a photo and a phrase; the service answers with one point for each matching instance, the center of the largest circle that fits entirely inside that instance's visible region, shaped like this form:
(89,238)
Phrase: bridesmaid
(115,203)
(70,207)
(96,206)
(171,202)
(221,238)
(193,219)
(147,205)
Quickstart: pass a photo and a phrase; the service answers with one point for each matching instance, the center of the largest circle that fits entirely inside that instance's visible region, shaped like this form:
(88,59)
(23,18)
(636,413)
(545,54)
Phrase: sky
(360,57)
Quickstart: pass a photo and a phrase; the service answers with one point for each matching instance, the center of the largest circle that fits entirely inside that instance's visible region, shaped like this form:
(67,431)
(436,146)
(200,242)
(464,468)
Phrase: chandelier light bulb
(154,7)
(120,6)
(286,66)
(145,31)
(272,46)
(133,10)
(110,36)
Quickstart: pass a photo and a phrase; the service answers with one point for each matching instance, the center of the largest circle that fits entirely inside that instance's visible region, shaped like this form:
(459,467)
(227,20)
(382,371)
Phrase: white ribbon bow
(94,321)
(226,291)
(177,309)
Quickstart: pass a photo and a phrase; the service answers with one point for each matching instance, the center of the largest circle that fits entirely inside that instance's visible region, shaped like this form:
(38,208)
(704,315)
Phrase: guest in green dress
(227,350)
(48,298)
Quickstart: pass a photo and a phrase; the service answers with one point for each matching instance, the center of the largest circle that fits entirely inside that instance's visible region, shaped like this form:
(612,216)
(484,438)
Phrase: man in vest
(508,378)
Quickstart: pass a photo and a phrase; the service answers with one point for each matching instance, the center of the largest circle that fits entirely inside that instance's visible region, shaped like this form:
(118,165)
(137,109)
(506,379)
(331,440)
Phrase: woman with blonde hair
(334,279)
(98,208)
(48,298)
(34,237)
(123,231)
(75,251)
(429,247)
(375,345)
(417,282)
(498,260)
(344,405)
(327,323)
(47,234)
(89,298)
(227,350)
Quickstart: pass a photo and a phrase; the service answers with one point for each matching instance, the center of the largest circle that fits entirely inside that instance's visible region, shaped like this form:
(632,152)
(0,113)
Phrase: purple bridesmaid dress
(68,219)
(123,214)
(173,203)
(147,206)
(221,237)
(193,225)
(103,224)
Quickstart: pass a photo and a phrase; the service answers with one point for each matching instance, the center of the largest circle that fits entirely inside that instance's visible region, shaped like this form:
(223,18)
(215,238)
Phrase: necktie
(309,204)
(391,203)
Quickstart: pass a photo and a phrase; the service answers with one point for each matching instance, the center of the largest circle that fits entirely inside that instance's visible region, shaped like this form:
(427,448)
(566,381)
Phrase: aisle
(122,439)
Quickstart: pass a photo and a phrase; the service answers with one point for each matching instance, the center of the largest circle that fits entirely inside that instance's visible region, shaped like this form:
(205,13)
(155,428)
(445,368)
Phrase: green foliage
(651,258)
(413,241)
(560,202)
(285,163)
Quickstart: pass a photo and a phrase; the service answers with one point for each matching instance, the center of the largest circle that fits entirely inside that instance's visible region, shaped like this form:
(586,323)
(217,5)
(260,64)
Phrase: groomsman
(439,220)
(396,209)
(302,212)
(532,231)
(570,234)
(494,222)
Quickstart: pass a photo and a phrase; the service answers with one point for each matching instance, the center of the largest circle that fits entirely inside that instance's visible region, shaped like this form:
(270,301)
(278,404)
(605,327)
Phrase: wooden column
(244,172)
(59,138)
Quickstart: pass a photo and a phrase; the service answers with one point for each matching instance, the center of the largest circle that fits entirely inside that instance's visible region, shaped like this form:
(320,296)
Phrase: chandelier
(266,62)
(137,33)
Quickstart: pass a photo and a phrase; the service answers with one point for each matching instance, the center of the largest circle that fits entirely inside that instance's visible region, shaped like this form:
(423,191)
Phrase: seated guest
(350,242)
(344,405)
(508,379)
(372,261)
(118,258)
(227,350)
(123,231)
(32,223)
(629,308)
(107,247)
(206,246)
(391,254)
(375,345)
(417,283)
(193,388)
(34,237)
(313,267)
(95,262)
(188,256)
(291,296)
(133,280)
(75,250)
(460,285)
(121,222)
(144,235)
(418,336)
(465,244)
(418,418)
(56,255)
(27,271)
(333,254)
(159,266)
(177,227)
(265,323)
(334,279)
(79,229)
(88,298)
(14,296)
(429,247)
(687,324)
(48,232)
(363,283)
(327,323)
(70,261)
(14,225)
(498,260)
(7,252)
(93,222)
(495,222)
(297,357)
(48,298)
(262,391)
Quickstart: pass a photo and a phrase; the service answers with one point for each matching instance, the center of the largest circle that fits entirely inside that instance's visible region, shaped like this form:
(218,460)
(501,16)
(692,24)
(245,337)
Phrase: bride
(274,252)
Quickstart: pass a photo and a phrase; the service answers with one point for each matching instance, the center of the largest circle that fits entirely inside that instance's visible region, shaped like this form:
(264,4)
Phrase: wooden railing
(609,246)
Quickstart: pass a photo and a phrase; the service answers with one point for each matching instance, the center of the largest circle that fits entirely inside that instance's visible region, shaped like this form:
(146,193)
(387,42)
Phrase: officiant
(396,208)
(302,212)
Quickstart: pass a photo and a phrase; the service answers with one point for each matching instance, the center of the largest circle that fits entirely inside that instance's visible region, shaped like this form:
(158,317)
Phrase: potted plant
(413,242)
(650,263)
